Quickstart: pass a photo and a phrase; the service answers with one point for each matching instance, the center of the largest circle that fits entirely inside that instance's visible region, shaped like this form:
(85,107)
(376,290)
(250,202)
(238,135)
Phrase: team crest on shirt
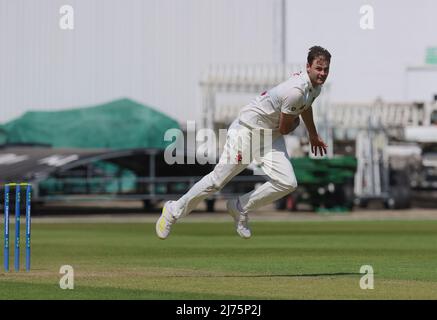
(239,157)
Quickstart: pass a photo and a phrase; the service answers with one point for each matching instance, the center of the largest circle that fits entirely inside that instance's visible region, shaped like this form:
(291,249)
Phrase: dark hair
(318,51)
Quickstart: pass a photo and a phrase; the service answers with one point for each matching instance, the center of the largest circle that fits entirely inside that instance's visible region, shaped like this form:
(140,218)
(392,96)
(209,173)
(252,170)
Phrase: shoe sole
(160,225)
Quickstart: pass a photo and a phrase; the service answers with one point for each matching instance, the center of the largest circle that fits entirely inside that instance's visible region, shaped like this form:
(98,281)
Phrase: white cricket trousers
(251,145)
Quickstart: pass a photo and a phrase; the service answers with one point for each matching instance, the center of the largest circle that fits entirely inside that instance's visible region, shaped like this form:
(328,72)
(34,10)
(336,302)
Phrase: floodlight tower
(280,32)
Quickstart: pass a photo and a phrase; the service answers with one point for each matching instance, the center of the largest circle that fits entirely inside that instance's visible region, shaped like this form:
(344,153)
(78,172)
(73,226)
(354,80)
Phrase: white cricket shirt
(292,96)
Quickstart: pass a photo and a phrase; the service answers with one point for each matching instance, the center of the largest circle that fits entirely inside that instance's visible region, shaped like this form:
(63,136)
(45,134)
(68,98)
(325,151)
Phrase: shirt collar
(307,79)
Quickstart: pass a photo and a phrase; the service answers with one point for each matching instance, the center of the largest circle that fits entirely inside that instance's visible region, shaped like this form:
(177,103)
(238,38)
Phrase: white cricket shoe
(241,219)
(165,221)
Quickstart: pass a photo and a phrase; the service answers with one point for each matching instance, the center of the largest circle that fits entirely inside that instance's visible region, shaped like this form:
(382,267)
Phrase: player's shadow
(334,274)
(302,275)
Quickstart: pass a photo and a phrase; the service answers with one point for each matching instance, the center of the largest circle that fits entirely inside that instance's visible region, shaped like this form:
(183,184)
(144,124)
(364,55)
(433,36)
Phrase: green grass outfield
(202,260)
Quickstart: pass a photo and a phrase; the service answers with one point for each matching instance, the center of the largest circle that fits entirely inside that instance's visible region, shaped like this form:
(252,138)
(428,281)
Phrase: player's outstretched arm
(315,141)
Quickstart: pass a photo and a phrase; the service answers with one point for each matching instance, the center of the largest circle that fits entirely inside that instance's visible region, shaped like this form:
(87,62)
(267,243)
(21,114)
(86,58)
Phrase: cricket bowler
(273,113)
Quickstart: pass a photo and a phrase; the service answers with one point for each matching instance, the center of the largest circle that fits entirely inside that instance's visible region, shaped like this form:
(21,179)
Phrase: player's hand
(317,143)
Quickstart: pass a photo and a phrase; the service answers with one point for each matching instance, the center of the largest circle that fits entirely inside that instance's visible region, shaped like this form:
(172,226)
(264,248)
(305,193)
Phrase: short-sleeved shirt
(292,96)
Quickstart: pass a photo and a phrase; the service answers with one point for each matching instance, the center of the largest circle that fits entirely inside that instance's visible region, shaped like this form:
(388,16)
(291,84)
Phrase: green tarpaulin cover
(118,124)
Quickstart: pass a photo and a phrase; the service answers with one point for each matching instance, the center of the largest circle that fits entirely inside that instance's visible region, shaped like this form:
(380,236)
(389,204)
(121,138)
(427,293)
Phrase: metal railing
(140,188)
